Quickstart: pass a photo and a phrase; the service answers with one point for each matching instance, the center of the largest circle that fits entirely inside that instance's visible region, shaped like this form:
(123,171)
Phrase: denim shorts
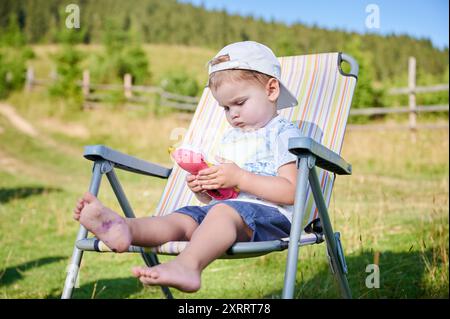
(266,222)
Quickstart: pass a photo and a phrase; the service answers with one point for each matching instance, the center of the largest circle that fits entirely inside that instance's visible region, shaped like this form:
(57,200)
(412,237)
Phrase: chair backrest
(324,94)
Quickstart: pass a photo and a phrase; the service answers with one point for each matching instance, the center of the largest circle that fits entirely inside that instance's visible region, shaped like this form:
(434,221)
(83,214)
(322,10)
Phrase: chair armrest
(325,158)
(124,161)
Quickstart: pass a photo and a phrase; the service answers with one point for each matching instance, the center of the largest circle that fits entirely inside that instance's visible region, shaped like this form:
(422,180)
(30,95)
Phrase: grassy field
(394,209)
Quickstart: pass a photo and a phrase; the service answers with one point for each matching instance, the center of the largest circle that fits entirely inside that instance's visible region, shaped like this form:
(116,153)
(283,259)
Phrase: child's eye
(240,102)
(226,108)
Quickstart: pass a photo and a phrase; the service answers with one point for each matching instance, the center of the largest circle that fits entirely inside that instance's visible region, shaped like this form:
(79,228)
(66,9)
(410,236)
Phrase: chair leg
(334,246)
(74,267)
(150,259)
(77,255)
(296,228)
(339,267)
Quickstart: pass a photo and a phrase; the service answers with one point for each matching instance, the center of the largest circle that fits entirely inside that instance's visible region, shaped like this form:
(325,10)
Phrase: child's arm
(277,189)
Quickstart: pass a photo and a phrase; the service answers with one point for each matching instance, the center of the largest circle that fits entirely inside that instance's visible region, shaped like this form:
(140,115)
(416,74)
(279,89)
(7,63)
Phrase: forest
(118,24)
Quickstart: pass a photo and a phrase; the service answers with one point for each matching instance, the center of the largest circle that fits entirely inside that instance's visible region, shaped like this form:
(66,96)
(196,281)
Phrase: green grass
(395,205)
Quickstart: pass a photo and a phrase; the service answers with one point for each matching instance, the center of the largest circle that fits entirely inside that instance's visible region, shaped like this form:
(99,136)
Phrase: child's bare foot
(78,208)
(172,273)
(104,223)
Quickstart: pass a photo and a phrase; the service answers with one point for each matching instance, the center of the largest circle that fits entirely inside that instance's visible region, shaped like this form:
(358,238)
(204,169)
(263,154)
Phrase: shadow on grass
(117,288)
(401,276)
(8,194)
(14,273)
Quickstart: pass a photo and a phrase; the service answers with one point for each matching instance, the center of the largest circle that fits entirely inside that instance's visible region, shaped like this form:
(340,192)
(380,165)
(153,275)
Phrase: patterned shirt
(261,152)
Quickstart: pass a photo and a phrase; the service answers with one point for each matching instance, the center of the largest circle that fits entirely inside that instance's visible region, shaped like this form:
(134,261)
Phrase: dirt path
(25,127)
(17,121)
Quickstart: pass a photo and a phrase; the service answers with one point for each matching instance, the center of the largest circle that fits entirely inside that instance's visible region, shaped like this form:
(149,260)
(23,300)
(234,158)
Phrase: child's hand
(193,184)
(197,189)
(224,175)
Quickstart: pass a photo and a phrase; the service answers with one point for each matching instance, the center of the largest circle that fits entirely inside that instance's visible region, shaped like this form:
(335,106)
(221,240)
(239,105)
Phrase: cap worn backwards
(254,56)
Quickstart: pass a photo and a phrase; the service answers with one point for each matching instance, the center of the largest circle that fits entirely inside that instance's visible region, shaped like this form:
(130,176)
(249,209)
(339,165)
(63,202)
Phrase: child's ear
(273,89)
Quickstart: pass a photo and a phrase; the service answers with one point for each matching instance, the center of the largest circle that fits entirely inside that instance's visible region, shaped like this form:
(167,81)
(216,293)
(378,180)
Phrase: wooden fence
(412,109)
(166,99)
(92,93)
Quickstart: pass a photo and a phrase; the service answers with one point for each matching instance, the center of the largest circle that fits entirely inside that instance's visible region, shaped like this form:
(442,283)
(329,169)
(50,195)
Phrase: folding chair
(324,92)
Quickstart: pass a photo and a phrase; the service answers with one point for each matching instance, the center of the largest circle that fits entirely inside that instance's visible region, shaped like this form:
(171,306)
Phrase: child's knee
(222,210)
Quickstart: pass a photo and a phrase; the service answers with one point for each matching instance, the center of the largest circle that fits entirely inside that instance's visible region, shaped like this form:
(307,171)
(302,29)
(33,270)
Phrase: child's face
(248,105)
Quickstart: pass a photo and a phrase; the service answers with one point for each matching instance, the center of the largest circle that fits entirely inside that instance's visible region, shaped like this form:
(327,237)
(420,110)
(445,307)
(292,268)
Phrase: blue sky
(417,18)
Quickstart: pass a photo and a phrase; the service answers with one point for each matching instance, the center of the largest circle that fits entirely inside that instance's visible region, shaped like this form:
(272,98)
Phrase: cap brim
(286,99)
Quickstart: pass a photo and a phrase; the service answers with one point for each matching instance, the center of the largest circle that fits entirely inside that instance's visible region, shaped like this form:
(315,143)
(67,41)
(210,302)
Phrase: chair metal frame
(310,155)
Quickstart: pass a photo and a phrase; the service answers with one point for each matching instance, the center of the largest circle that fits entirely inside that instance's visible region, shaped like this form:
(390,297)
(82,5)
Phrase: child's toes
(149,272)
(146,280)
(153,274)
(77,210)
(141,271)
(137,271)
(80,204)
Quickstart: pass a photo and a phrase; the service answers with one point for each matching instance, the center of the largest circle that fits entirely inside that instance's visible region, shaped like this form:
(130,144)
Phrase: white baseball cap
(251,55)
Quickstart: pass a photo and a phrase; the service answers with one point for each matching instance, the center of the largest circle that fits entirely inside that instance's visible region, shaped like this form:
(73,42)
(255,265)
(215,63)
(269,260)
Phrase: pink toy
(193,161)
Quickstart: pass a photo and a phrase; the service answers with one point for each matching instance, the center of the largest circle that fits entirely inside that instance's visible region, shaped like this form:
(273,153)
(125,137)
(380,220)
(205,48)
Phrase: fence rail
(181,102)
(91,95)
(395,127)
(419,89)
(398,110)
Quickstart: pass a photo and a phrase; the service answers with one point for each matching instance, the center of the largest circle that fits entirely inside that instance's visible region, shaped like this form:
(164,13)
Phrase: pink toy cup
(193,162)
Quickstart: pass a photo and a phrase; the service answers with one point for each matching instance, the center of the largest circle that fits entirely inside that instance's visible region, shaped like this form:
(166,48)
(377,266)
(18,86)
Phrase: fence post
(85,85)
(412,96)
(54,75)
(8,77)
(29,79)
(127,86)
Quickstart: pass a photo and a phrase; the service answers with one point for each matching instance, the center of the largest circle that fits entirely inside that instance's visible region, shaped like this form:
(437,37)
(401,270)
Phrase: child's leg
(157,230)
(220,229)
(118,232)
